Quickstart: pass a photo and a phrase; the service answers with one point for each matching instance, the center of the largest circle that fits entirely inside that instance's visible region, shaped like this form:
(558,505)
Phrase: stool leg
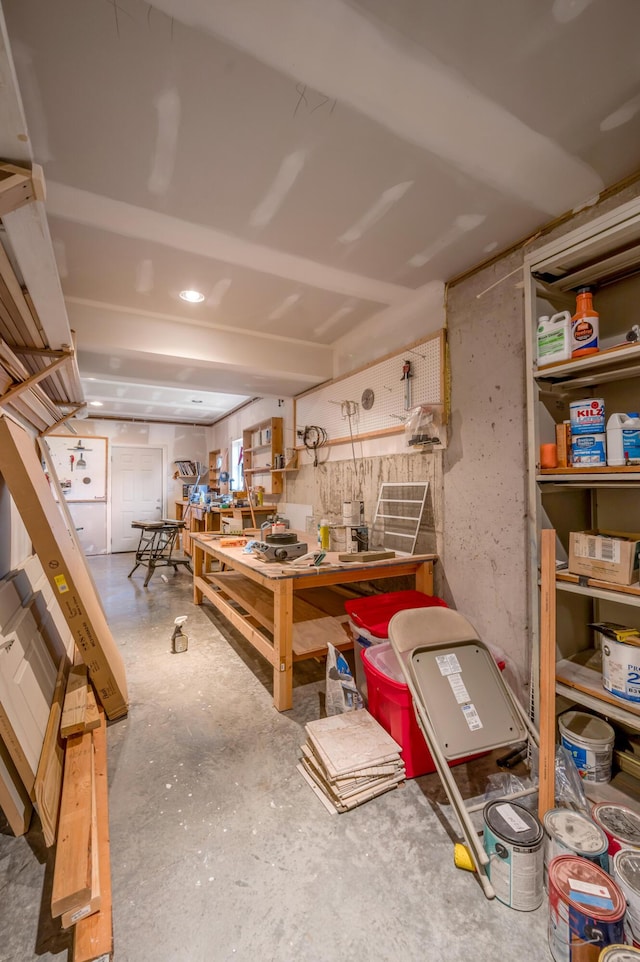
(152,568)
(133,569)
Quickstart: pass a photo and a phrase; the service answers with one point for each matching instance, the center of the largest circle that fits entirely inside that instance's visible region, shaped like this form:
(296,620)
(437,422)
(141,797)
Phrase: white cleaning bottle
(623,439)
(553,338)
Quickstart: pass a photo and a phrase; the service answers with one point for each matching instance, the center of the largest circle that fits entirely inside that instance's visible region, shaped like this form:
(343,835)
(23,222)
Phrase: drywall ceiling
(306,164)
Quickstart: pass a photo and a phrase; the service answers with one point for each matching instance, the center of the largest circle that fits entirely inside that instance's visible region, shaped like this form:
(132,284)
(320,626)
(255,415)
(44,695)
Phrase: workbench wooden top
(210,542)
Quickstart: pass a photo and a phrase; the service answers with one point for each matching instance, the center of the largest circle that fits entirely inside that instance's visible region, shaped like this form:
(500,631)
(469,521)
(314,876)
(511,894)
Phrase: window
(236,476)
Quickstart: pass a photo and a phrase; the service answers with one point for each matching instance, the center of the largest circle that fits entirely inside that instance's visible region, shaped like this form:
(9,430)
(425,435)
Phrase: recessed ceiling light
(193,297)
(95,404)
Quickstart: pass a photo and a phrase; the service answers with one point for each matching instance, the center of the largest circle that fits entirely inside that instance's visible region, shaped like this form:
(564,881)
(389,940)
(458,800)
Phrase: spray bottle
(584,325)
(179,640)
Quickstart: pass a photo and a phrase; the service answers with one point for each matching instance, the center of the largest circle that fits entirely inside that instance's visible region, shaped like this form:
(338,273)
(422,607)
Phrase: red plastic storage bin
(391,704)
(369,621)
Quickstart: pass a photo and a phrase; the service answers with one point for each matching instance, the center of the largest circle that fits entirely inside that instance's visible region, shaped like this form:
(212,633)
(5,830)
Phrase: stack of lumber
(349,759)
(81,894)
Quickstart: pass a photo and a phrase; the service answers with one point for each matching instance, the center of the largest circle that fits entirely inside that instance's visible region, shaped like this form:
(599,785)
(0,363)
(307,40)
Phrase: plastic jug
(623,439)
(584,325)
(553,338)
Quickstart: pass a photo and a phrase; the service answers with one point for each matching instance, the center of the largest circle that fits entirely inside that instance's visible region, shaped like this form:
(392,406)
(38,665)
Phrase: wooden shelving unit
(215,466)
(262,447)
(587,497)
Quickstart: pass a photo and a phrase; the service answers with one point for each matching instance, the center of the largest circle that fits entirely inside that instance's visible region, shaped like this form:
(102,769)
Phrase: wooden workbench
(289,613)
(206,518)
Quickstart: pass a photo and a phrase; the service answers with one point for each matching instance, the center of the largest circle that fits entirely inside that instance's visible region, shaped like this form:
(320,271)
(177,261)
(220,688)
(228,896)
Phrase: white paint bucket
(626,872)
(590,741)
(589,449)
(621,669)
(353,513)
(513,841)
(572,833)
(587,416)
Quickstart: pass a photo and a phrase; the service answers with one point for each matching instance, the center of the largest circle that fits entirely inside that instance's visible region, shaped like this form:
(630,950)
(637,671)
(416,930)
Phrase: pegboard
(86,479)
(325,406)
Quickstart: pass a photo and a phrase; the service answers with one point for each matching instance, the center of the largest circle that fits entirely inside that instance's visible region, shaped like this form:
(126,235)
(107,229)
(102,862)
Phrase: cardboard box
(605,555)
(64,565)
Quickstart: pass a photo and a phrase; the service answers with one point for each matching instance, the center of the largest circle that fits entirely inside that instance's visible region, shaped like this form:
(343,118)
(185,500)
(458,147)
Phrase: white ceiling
(306,164)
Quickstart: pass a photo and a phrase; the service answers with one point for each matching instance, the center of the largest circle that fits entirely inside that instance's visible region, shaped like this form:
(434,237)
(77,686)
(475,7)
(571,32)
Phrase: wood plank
(94,935)
(72,870)
(75,702)
(329,600)
(253,635)
(547,720)
(92,715)
(596,583)
(283,611)
(48,783)
(573,674)
(93,905)
(310,638)
(14,798)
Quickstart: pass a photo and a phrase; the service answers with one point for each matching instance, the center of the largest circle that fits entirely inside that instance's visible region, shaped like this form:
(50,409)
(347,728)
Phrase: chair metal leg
(137,565)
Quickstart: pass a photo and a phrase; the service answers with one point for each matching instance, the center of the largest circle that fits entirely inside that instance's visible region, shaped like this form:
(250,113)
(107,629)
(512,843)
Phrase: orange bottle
(584,325)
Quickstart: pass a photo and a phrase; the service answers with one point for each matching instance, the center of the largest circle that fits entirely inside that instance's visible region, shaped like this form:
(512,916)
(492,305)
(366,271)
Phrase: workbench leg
(197,561)
(283,645)
(424,578)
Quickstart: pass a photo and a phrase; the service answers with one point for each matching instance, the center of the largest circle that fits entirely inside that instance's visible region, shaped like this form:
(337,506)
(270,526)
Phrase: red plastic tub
(391,704)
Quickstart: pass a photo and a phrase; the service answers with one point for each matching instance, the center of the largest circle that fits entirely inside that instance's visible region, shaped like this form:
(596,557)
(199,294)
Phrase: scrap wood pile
(53,755)
(348,759)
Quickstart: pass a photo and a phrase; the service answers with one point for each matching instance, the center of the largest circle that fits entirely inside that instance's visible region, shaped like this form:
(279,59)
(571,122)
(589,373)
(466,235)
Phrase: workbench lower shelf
(580,683)
(249,607)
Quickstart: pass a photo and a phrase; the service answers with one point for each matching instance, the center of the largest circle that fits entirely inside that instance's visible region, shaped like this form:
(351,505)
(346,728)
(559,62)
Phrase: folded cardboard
(64,565)
(605,555)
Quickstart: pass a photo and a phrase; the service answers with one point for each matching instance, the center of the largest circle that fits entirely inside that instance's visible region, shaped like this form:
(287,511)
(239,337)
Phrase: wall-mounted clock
(367,399)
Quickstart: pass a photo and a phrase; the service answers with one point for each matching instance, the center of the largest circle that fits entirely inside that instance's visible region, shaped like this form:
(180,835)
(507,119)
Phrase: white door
(136,493)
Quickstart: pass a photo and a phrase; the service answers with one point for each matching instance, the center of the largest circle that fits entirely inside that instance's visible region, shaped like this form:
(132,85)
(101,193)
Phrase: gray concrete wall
(484,558)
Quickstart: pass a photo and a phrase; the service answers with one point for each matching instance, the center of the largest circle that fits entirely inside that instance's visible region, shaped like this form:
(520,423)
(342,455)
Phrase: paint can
(620,824)
(589,449)
(590,740)
(621,669)
(626,872)
(587,416)
(619,953)
(513,841)
(353,513)
(572,833)
(586,910)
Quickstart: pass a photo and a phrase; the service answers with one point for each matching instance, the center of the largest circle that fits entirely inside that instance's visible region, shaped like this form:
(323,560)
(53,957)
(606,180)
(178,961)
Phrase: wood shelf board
(632,469)
(572,673)
(593,362)
(633,591)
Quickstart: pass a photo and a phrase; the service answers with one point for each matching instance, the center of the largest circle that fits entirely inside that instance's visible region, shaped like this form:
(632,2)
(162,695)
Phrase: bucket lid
(619,953)
(626,866)
(619,821)
(590,728)
(587,887)
(513,823)
(576,831)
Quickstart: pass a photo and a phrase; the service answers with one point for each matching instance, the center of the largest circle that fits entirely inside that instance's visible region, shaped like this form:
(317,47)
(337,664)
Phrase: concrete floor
(219,849)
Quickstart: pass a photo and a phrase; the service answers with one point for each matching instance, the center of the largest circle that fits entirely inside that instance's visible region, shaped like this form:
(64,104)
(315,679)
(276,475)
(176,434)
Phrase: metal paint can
(621,669)
(587,416)
(571,833)
(590,741)
(619,953)
(586,910)
(353,513)
(589,449)
(620,824)
(513,841)
(626,872)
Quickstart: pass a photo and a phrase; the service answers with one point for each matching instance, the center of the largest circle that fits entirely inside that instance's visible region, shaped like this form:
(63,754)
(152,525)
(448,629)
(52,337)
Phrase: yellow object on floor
(462,857)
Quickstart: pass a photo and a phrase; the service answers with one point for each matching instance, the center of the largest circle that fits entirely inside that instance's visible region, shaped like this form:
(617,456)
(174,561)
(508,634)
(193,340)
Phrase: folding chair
(156,545)
(462,703)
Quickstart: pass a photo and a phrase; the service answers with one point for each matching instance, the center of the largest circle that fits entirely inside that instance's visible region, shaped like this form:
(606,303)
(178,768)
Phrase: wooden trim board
(93,936)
